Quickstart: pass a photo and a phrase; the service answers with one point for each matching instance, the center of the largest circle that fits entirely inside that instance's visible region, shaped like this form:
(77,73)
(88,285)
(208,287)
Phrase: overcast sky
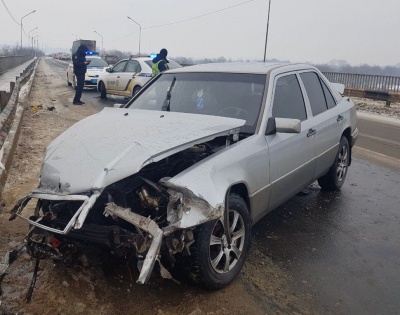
(317,31)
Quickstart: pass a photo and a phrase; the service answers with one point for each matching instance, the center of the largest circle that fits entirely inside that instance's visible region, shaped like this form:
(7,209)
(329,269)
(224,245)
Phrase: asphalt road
(379,136)
(340,247)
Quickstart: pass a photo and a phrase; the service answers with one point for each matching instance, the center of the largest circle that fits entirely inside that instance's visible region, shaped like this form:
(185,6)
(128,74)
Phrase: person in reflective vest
(160,63)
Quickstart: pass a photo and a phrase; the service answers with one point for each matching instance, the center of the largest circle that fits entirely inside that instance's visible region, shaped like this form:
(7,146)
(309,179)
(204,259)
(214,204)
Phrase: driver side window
(288,99)
(119,67)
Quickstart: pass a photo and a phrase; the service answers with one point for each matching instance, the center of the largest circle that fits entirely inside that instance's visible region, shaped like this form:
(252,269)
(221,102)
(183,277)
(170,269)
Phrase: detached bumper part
(75,222)
(146,224)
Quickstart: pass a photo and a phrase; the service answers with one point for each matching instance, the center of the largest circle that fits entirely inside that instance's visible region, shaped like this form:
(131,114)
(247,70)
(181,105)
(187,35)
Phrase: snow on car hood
(117,142)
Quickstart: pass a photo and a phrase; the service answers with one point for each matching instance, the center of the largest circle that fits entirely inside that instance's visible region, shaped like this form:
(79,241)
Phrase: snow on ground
(377,107)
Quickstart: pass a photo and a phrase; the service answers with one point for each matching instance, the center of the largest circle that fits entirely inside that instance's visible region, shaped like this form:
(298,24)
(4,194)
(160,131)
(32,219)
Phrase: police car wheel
(135,90)
(103,91)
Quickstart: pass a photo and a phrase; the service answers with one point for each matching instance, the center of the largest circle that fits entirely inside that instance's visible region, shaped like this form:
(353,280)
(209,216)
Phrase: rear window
(97,62)
(171,64)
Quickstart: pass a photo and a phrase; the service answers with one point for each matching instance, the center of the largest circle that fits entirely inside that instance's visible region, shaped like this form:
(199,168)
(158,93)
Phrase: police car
(127,77)
(96,66)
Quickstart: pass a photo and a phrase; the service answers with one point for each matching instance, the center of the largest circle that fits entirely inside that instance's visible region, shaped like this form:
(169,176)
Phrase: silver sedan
(183,171)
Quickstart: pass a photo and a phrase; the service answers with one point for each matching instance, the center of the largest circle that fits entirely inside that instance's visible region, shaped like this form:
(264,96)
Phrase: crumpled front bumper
(192,211)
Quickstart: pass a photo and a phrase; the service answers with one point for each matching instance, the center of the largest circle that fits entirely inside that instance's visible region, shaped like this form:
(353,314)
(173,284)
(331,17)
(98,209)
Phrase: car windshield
(111,59)
(171,64)
(97,62)
(218,94)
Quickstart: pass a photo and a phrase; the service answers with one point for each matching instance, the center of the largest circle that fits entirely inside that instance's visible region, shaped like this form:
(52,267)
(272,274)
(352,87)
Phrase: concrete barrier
(10,122)
(8,62)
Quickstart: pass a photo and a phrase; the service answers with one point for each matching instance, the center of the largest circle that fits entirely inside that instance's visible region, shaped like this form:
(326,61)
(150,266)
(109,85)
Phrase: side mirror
(109,70)
(284,125)
(118,105)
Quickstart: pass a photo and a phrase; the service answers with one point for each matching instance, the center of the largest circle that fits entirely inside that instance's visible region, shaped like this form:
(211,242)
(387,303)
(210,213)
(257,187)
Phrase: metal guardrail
(8,62)
(365,82)
(5,96)
(377,87)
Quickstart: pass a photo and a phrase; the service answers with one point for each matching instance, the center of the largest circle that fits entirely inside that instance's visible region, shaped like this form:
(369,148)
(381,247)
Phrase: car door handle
(339,118)
(118,77)
(311,132)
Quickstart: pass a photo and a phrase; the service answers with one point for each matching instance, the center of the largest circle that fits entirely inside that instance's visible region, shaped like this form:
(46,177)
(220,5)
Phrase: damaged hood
(117,142)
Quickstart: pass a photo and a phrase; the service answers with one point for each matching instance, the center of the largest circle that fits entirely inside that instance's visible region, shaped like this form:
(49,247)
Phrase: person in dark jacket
(160,63)
(80,66)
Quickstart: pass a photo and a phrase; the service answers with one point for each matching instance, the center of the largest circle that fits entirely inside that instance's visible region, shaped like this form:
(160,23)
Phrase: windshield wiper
(167,100)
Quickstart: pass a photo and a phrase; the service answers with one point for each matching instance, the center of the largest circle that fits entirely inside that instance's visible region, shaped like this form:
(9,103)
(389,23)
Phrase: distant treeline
(344,67)
(18,51)
(332,66)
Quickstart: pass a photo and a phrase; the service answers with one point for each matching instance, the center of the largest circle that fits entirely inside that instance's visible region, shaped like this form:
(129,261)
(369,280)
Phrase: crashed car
(183,171)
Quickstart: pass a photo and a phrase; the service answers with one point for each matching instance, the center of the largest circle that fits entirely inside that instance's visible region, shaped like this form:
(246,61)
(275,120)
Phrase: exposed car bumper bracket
(147,225)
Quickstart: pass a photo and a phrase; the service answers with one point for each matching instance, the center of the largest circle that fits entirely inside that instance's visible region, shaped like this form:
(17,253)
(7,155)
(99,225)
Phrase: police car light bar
(92,53)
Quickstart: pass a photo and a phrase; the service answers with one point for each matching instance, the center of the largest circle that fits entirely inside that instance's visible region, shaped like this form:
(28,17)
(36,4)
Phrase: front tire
(336,175)
(103,91)
(69,83)
(213,262)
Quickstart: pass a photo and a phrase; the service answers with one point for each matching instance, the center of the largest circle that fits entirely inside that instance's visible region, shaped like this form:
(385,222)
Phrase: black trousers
(80,80)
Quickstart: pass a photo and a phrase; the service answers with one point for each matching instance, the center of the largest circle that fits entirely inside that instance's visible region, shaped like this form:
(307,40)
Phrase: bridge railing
(385,88)
(8,62)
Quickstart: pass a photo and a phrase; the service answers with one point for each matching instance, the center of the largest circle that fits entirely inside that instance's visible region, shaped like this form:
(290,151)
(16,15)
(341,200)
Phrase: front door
(292,155)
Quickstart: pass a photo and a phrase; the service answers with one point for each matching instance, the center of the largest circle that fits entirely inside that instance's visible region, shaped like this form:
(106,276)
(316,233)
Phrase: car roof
(242,67)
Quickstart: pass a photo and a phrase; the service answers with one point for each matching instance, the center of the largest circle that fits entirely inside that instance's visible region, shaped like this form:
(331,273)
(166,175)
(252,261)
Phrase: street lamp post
(29,33)
(21,23)
(266,35)
(140,31)
(33,37)
(102,50)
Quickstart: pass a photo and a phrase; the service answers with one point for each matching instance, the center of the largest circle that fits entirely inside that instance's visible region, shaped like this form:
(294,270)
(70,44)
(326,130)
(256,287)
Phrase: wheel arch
(347,133)
(241,190)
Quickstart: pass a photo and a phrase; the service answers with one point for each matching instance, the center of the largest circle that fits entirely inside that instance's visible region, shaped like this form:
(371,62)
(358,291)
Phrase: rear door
(327,121)
(292,155)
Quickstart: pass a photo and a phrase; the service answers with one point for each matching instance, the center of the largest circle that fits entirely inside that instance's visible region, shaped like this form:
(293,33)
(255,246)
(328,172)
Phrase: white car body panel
(143,137)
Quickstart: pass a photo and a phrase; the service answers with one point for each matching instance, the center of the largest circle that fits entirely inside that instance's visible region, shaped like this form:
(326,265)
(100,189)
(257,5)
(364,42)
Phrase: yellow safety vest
(154,68)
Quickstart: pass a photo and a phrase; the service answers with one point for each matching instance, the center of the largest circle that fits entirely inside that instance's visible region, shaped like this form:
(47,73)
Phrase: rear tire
(213,262)
(135,90)
(336,175)
(103,91)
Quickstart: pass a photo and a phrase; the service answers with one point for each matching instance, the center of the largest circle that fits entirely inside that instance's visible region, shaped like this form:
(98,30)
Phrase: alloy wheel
(342,164)
(224,256)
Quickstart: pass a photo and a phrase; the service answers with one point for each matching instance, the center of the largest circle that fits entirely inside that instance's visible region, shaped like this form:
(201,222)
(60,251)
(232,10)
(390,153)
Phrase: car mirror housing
(288,125)
(117,105)
(284,125)
(109,69)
